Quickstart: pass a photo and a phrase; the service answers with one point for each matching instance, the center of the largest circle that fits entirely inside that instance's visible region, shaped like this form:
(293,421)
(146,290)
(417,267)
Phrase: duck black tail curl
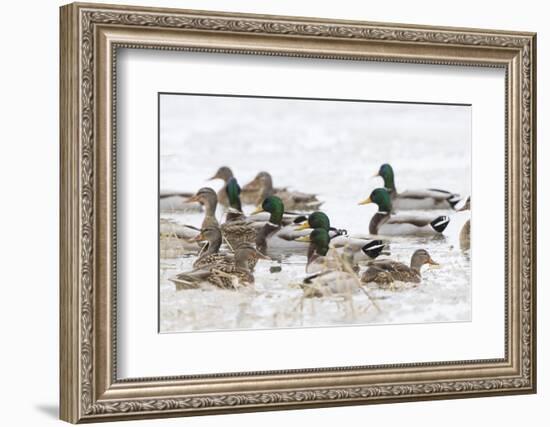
(453,200)
(440,223)
(373,249)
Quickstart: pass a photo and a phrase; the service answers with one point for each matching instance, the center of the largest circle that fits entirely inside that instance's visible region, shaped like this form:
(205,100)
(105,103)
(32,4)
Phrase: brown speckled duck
(261,187)
(386,272)
(234,230)
(222,275)
(211,254)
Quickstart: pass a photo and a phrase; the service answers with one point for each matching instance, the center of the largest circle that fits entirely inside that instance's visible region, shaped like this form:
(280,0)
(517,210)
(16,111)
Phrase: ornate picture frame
(90,37)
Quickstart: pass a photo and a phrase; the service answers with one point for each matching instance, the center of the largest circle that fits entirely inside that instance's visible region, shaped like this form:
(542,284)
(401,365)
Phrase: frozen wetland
(332,149)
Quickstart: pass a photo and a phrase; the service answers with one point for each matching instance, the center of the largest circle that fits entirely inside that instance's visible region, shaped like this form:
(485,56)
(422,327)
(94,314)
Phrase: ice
(329,148)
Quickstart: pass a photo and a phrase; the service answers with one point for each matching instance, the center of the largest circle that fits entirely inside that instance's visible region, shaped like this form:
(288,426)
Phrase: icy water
(332,149)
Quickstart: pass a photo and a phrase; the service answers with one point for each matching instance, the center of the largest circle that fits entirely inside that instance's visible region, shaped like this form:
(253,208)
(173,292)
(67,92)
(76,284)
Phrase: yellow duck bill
(366,201)
(303,226)
(258,210)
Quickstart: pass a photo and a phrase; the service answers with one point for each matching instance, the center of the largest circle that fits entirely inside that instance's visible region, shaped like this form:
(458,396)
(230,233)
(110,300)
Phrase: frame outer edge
(69,355)
(77,343)
(533,205)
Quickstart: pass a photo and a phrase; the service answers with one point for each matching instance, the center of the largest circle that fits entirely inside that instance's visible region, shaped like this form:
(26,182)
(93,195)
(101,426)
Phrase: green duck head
(381,197)
(233,194)
(318,240)
(274,205)
(386,172)
(316,219)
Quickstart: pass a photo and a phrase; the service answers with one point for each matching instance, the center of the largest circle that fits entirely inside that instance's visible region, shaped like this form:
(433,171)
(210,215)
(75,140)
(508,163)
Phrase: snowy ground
(330,148)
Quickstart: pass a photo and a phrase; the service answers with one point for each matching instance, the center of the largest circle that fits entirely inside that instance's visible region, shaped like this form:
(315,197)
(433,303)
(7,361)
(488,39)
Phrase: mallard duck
(464,236)
(236,229)
(209,200)
(383,222)
(359,248)
(386,272)
(274,235)
(233,232)
(416,199)
(225,174)
(321,257)
(222,275)
(262,187)
(210,254)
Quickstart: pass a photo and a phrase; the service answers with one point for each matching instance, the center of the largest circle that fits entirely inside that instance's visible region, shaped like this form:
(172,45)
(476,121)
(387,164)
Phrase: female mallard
(464,236)
(359,248)
(383,222)
(261,187)
(416,199)
(174,235)
(225,174)
(209,200)
(234,232)
(273,235)
(386,272)
(223,275)
(210,254)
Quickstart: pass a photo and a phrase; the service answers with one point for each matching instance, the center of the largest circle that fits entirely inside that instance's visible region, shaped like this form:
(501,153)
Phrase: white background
(29,215)
(297,348)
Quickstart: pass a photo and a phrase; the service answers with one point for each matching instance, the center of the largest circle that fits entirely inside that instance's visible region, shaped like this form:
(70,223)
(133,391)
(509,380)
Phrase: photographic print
(298,212)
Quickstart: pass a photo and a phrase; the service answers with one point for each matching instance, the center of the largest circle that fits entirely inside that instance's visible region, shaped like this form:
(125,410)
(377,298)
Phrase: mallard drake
(383,222)
(261,187)
(386,272)
(225,174)
(222,275)
(274,235)
(359,248)
(430,198)
(464,236)
(210,254)
(321,257)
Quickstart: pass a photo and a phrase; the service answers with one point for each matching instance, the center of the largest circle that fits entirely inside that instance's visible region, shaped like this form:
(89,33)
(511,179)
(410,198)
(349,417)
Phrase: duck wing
(228,276)
(299,200)
(191,279)
(238,232)
(388,271)
(430,198)
(212,259)
(416,220)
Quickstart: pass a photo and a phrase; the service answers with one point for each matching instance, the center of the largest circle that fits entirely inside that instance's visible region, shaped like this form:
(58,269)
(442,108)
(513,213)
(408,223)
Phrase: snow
(331,148)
